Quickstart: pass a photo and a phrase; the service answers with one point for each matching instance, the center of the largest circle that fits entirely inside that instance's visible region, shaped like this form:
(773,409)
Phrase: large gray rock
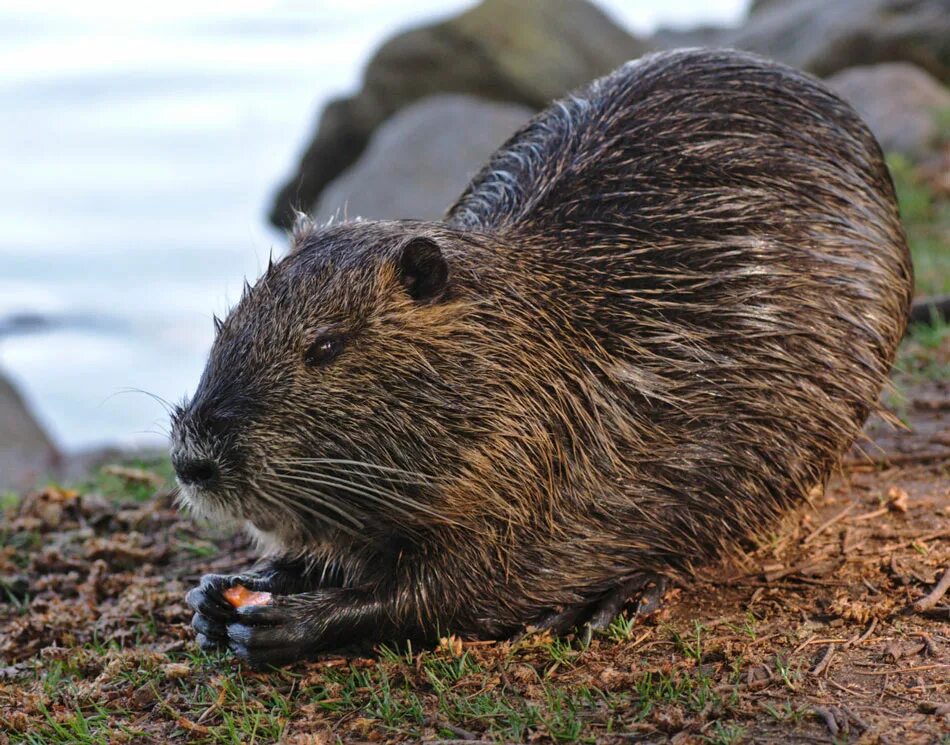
(26,452)
(901,103)
(825,36)
(422,158)
(520,51)
(757,6)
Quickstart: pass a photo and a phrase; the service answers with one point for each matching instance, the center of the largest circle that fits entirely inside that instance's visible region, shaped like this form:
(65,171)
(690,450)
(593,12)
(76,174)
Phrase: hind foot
(599,614)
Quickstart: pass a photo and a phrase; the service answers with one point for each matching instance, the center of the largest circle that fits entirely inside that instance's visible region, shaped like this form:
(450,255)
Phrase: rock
(930,309)
(519,51)
(26,452)
(422,158)
(902,105)
(77,465)
(824,37)
(699,36)
(759,5)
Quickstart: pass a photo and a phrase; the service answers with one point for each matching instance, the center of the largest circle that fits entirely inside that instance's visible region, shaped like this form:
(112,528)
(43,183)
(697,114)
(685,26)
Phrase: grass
(154,685)
(399,693)
(135,480)
(926,219)
(924,355)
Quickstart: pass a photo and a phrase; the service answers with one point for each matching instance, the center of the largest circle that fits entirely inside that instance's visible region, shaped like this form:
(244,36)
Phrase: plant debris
(834,628)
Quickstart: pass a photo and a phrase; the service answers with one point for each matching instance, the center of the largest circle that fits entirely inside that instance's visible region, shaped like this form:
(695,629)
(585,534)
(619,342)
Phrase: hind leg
(600,613)
(651,589)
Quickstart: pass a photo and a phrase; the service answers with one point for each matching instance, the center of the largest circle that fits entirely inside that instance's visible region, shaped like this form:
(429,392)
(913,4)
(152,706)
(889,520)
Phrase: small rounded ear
(423,269)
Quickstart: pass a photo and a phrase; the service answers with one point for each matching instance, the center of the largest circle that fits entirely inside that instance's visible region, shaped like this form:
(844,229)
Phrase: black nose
(197,472)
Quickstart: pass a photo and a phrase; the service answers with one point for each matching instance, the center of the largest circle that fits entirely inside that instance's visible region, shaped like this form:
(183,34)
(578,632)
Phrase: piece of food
(239,596)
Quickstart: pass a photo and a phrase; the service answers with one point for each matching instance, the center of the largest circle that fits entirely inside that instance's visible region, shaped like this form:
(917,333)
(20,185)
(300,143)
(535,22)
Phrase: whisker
(367,492)
(361,464)
(164,403)
(385,498)
(384,477)
(289,496)
(151,432)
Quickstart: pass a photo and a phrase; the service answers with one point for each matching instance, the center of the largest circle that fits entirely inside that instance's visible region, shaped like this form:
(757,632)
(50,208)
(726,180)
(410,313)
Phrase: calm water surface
(139,147)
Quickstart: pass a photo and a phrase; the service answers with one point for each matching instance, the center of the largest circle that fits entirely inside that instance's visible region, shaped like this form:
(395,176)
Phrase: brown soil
(819,634)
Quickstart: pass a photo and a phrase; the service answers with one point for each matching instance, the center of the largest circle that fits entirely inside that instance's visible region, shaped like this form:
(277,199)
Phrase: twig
(850,691)
(929,649)
(919,539)
(825,525)
(185,723)
(870,515)
(900,671)
(825,661)
(866,634)
(855,718)
(933,597)
(929,404)
(461,734)
(812,640)
(829,718)
(216,704)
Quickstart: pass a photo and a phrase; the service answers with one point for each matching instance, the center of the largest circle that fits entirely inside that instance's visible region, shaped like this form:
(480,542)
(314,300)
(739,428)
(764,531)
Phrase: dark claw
(276,633)
(207,644)
(562,622)
(652,597)
(213,612)
(609,607)
(208,628)
(261,637)
(600,614)
(263,658)
(266,635)
(208,599)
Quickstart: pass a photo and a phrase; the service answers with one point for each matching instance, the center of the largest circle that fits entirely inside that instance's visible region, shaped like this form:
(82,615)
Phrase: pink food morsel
(239,596)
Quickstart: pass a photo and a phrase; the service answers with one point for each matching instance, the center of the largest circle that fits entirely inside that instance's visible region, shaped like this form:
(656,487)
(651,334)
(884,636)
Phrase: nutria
(654,321)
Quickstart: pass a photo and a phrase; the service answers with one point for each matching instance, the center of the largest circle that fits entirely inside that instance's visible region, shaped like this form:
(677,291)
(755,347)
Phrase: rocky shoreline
(435,101)
(889,58)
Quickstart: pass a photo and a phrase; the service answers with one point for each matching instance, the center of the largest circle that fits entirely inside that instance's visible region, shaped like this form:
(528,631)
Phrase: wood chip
(897,499)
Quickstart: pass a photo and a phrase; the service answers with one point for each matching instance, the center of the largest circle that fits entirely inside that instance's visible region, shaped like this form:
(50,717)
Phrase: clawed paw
(269,635)
(597,616)
(260,635)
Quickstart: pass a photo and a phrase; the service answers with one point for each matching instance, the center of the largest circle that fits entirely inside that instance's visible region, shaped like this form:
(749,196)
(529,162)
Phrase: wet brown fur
(673,299)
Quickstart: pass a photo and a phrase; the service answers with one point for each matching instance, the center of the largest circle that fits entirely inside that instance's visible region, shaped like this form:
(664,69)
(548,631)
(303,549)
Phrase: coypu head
(327,387)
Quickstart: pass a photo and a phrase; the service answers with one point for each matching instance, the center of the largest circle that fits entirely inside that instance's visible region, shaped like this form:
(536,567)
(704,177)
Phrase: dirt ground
(821,633)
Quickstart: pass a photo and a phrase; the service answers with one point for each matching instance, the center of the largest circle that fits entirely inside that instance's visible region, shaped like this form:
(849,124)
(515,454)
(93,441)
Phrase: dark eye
(325,348)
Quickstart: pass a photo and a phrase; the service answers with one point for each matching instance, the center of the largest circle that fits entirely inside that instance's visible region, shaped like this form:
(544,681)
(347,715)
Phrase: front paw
(274,634)
(213,612)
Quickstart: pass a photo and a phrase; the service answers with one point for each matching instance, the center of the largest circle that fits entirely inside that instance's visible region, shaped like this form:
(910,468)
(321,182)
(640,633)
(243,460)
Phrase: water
(139,149)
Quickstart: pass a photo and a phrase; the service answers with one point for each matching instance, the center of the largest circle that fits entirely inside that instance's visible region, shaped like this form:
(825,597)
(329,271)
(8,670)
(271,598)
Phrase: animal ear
(423,269)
